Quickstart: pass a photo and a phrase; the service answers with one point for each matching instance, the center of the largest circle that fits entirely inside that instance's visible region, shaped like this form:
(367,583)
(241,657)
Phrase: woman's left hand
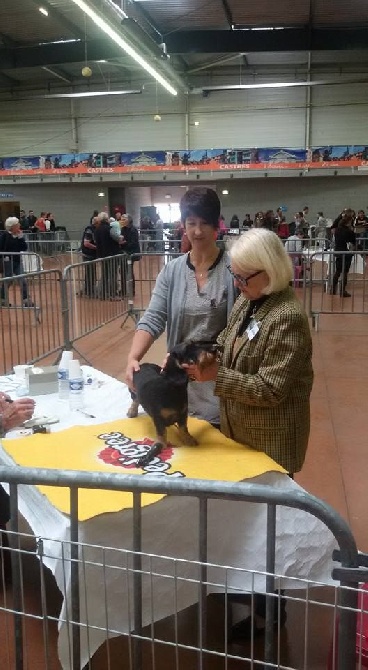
(201,374)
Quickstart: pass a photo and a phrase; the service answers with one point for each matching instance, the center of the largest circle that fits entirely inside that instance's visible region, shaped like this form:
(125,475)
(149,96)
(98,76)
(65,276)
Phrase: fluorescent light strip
(290,84)
(88,94)
(120,41)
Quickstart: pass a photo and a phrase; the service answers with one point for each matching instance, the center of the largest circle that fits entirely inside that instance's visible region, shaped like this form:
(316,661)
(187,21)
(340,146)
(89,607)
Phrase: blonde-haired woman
(265,376)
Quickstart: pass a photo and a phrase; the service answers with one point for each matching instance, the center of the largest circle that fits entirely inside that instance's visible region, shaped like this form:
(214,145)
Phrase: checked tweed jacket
(264,383)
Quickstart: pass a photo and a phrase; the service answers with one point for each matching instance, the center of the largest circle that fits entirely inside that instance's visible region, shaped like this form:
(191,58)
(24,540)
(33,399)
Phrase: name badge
(252,329)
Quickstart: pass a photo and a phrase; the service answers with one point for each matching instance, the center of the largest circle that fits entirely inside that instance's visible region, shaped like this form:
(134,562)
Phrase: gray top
(188,314)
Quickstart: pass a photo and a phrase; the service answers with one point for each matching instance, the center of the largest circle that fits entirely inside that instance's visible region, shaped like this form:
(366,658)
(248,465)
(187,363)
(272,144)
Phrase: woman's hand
(4,401)
(133,366)
(17,412)
(206,373)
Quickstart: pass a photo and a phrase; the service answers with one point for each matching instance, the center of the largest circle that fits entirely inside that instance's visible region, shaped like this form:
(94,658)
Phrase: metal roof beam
(61,19)
(288,39)
(228,14)
(57,54)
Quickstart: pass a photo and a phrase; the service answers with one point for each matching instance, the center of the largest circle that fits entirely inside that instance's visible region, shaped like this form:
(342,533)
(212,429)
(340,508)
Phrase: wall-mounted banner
(208,160)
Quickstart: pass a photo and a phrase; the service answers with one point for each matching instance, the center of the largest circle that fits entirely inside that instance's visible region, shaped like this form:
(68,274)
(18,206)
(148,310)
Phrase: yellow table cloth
(116,446)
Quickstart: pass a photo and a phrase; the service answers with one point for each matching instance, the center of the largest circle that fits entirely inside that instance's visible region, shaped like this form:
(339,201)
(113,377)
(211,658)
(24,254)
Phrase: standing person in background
(345,240)
(321,229)
(129,245)
(40,223)
(51,220)
(283,228)
(95,213)
(12,242)
(31,218)
(258,219)
(360,228)
(89,253)
(107,246)
(23,221)
(269,220)
(248,222)
(192,298)
(234,223)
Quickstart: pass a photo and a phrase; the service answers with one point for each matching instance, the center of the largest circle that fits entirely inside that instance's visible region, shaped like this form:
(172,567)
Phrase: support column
(135,198)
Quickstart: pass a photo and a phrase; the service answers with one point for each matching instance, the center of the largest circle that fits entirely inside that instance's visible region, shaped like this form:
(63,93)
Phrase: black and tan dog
(163,393)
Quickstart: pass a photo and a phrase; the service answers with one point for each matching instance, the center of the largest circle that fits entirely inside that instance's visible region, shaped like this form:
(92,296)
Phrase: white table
(236,538)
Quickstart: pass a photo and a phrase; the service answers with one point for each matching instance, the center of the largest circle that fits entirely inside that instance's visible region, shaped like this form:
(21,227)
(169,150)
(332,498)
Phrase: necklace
(200,273)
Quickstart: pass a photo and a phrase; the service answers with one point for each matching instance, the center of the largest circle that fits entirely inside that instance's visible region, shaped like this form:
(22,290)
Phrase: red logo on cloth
(124,452)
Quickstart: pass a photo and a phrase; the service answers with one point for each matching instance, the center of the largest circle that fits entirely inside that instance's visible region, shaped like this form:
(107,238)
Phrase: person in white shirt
(294,244)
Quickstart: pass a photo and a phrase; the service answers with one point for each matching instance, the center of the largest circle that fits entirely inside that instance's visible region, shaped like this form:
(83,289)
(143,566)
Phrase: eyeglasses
(243,280)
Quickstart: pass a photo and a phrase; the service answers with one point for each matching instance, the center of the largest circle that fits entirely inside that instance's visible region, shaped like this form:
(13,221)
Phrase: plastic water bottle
(76,386)
(63,374)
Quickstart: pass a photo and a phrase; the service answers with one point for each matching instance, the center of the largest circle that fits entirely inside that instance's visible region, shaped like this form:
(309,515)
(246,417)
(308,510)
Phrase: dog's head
(201,353)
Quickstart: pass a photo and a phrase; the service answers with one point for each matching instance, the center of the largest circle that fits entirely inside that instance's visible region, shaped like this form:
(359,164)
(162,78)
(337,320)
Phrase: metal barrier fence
(30,317)
(93,573)
(337,283)
(42,313)
(95,293)
(56,253)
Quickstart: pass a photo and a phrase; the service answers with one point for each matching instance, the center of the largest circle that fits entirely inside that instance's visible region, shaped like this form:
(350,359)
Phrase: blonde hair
(260,249)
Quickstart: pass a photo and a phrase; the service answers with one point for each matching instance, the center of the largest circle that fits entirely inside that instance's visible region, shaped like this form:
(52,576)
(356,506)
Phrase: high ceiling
(189,41)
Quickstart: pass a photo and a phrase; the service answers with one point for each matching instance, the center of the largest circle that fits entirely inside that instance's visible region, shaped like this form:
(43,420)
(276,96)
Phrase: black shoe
(345,294)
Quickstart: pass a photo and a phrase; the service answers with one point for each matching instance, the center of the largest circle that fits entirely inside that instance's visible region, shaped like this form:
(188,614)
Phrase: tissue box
(43,380)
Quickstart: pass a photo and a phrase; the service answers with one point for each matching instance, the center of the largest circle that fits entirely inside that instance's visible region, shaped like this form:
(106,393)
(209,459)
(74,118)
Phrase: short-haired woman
(192,298)
(265,377)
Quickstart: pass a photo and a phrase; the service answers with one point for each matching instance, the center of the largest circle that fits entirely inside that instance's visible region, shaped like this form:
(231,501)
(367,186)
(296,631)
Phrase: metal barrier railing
(337,283)
(31,318)
(137,575)
(142,271)
(56,253)
(95,293)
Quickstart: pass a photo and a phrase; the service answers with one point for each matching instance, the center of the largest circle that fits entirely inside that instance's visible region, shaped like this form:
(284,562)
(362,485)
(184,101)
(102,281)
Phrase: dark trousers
(12,269)
(342,266)
(109,278)
(89,277)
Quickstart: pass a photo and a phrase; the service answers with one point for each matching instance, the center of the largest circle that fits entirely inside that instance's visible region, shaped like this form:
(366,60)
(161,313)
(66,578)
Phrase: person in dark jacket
(89,253)
(345,240)
(130,242)
(12,242)
(106,246)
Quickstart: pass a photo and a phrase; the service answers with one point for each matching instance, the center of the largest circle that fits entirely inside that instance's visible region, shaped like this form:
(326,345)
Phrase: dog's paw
(132,412)
(189,440)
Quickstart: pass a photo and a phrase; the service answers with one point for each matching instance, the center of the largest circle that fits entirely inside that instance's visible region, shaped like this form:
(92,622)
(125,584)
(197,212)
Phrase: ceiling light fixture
(225,192)
(87,94)
(43,11)
(285,84)
(101,194)
(123,44)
